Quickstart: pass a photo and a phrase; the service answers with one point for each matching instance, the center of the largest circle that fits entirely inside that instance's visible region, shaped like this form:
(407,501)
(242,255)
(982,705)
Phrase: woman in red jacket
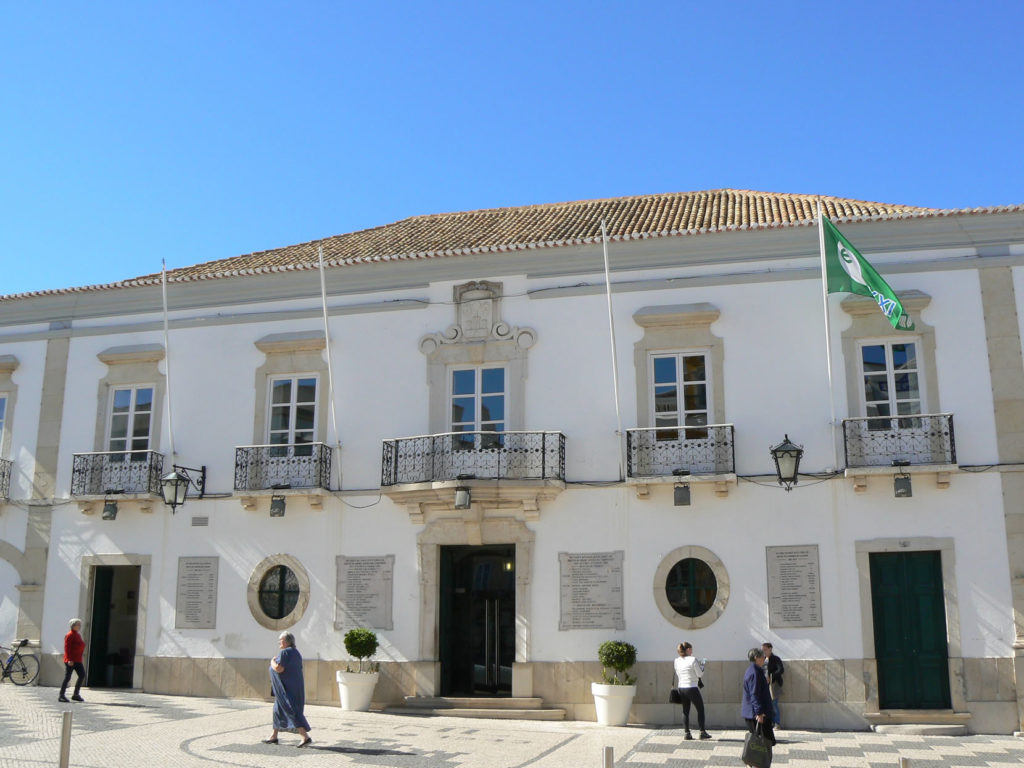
(74,648)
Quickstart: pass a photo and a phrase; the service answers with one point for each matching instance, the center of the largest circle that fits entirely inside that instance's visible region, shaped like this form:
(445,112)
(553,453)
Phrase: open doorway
(477,619)
(115,620)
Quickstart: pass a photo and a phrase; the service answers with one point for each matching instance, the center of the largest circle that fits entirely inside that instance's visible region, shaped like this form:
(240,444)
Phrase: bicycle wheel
(24,669)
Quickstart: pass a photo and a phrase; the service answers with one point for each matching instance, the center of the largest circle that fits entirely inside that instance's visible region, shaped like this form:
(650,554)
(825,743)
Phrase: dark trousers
(78,668)
(692,696)
(766,728)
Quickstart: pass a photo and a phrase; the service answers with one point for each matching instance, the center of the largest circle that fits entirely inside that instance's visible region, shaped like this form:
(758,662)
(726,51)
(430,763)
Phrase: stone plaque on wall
(196,602)
(365,587)
(590,586)
(794,586)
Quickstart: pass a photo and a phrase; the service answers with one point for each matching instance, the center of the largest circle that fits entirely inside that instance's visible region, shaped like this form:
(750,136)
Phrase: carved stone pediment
(478,319)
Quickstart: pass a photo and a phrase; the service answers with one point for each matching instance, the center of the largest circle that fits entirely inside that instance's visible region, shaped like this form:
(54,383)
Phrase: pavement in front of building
(120,729)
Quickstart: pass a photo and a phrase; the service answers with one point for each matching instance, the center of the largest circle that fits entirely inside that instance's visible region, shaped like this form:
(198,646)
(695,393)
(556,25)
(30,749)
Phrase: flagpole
(167,359)
(828,338)
(330,366)
(615,367)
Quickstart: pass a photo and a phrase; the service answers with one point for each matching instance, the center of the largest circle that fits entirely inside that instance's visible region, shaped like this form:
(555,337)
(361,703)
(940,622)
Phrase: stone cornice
(286,343)
(913,301)
(676,315)
(132,353)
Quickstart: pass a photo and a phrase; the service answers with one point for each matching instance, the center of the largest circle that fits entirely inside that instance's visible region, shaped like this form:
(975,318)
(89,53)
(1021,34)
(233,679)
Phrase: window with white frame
(681,396)
(3,420)
(478,403)
(890,375)
(292,415)
(131,420)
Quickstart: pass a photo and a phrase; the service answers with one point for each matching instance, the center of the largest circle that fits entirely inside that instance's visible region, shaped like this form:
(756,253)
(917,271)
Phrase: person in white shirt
(689,670)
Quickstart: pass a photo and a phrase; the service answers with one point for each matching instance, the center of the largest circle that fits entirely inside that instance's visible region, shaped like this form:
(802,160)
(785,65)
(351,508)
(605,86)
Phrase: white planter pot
(612,702)
(356,689)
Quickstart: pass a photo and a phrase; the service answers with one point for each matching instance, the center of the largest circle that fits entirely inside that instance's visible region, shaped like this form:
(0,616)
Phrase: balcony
(516,469)
(484,455)
(5,479)
(886,445)
(116,472)
(269,467)
(664,454)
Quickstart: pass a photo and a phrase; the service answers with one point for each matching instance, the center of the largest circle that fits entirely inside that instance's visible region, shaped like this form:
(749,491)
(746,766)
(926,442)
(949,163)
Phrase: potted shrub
(355,686)
(613,696)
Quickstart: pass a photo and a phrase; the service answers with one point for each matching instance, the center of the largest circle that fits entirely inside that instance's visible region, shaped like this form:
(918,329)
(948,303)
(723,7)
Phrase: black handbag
(674,696)
(757,749)
(700,683)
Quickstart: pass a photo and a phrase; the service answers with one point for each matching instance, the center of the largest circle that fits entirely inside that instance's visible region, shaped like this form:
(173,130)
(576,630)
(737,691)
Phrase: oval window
(691,587)
(279,592)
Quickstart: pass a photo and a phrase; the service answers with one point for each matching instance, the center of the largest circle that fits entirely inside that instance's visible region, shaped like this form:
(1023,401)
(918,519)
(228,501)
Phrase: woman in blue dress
(289,691)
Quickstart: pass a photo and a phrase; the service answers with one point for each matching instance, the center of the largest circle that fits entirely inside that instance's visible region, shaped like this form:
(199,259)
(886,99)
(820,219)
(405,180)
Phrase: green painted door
(910,630)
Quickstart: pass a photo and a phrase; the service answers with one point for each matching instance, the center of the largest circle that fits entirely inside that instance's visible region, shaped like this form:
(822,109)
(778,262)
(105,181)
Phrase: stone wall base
(818,694)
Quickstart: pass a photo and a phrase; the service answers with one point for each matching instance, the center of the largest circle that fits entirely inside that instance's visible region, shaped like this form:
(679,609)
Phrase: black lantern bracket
(175,486)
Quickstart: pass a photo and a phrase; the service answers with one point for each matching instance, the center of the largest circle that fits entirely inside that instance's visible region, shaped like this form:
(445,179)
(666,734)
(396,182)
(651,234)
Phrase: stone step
(460,702)
(486,713)
(919,722)
(492,707)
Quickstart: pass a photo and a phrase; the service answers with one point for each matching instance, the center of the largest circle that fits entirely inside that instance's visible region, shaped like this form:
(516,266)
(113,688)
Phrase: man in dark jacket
(757,698)
(773,669)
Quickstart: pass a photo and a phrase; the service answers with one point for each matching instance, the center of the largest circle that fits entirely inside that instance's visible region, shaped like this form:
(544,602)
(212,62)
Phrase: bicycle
(21,668)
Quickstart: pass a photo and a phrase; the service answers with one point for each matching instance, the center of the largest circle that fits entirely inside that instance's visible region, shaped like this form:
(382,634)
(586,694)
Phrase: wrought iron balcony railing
(660,451)
(295,465)
(876,441)
(5,478)
(96,474)
(483,455)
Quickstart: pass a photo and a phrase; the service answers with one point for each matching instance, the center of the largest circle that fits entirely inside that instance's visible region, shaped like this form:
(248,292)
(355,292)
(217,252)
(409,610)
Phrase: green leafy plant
(620,657)
(362,644)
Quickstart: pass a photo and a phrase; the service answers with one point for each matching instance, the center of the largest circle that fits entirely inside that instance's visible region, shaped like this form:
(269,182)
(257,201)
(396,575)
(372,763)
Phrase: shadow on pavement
(362,751)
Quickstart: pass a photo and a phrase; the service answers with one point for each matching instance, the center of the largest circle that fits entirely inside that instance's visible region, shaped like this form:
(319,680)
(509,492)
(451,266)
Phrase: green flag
(849,272)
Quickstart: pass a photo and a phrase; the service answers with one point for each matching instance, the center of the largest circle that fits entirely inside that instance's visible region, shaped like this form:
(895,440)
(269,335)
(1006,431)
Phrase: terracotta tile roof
(543,226)
(554,224)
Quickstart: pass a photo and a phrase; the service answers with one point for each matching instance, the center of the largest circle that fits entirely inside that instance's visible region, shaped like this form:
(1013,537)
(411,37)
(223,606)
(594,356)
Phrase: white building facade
(452,463)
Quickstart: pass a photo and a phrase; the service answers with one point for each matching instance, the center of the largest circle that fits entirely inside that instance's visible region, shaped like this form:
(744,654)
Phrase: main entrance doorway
(909,613)
(115,619)
(477,620)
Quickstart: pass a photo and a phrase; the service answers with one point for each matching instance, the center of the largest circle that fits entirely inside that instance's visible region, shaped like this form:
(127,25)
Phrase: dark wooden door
(910,630)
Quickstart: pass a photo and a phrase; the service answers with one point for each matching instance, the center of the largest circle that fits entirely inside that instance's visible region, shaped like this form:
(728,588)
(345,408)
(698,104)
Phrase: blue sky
(187,131)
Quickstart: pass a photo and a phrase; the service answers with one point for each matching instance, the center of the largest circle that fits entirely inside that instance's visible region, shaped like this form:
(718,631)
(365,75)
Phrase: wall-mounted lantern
(787,462)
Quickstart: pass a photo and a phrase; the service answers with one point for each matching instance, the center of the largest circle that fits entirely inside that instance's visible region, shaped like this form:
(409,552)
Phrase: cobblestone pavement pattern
(119,729)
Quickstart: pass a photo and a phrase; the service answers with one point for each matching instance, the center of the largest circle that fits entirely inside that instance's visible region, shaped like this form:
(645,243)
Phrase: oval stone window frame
(253,592)
(721,598)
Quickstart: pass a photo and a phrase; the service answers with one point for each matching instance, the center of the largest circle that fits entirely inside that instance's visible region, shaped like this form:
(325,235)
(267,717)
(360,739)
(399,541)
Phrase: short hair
(71,624)
(754,654)
(288,638)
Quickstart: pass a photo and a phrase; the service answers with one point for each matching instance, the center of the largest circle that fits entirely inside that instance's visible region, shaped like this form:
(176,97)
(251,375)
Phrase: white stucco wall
(775,382)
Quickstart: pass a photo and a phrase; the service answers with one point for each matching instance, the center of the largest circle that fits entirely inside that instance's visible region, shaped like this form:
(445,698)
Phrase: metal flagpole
(167,360)
(330,368)
(615,367)
(828,337)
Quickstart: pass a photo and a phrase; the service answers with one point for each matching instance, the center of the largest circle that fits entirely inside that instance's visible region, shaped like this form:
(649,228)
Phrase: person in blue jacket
(289,691)
(757,697)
